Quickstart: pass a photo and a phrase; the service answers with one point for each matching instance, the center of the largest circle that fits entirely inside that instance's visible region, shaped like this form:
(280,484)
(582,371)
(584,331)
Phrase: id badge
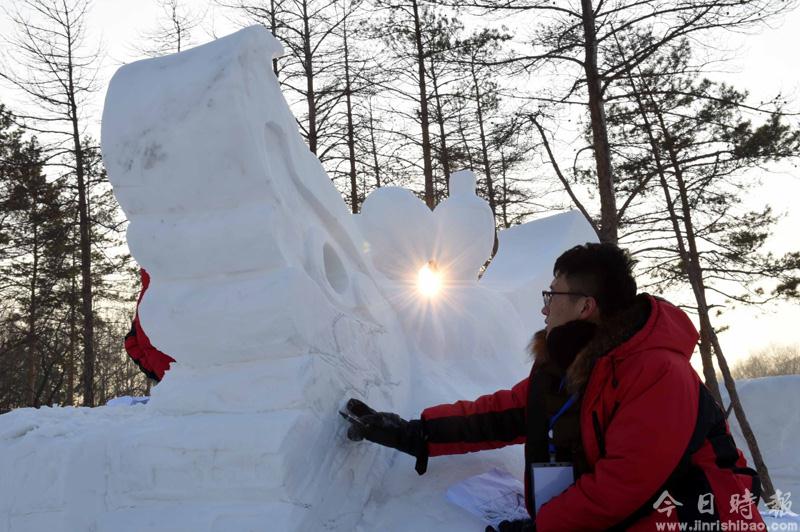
(549,479)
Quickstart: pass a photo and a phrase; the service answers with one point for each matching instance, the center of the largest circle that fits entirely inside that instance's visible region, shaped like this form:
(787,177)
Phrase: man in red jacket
(612,392)
(150,360)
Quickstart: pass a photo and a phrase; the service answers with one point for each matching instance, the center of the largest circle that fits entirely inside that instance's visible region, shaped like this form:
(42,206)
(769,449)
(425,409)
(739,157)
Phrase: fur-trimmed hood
(621,335)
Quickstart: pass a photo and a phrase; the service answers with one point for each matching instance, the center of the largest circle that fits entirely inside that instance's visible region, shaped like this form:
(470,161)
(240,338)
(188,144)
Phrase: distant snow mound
(772,405)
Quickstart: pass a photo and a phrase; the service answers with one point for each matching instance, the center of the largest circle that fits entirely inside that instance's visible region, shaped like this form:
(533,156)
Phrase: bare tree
(49,62)
(308,73)
(406,31)
(174,30)
(773,360)
(577,41)
(269,13)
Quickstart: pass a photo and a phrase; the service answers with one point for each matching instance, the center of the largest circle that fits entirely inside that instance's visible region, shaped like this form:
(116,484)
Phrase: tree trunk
(85,243)
(273,26)
(705,323)
(444,157)
(30,398)
(691,260)
(309,69)
(176,24)
(768,493)
(505,189)
(375,166)
(602,150)
(351,144)
(687,259)
(484,151)
(694,270)
(86,278)
(70,400)
(46,370)
(705,346)
(430,196)
(462,131)
(707,356)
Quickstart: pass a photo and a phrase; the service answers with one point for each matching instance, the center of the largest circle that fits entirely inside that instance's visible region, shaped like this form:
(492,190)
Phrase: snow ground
(51,466)
(772,405)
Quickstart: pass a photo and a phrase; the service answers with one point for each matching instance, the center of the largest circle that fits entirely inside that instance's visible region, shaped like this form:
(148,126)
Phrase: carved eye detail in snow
(335,272)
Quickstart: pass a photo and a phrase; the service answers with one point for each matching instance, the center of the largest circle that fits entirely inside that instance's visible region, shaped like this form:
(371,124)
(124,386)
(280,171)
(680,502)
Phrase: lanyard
(551,446)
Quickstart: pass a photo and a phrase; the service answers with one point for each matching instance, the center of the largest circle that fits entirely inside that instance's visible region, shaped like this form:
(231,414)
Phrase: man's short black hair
(603,271)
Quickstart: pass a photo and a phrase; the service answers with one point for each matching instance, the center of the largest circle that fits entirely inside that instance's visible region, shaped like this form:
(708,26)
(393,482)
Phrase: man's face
(563,308)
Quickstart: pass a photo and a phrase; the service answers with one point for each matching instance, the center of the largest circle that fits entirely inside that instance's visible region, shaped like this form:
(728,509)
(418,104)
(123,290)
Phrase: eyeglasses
(547,295)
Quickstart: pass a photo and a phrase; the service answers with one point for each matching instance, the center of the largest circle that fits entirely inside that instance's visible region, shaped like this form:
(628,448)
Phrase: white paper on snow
(494,496)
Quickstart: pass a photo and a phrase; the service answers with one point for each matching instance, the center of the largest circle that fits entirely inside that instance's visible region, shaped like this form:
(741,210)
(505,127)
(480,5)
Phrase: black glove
(523,525)
(389,430)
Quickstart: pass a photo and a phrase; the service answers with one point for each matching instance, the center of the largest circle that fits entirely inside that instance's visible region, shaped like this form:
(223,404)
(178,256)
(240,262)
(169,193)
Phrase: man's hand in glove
(389,430)
(525,525)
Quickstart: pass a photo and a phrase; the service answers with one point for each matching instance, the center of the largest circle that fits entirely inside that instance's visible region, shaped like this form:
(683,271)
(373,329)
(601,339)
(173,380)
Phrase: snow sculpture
(250,248)
(465,230)
(523,267)
(456,240)
(403,233)
(278,305)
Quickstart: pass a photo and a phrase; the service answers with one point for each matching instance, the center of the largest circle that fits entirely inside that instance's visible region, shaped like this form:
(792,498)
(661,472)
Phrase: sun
(429,279)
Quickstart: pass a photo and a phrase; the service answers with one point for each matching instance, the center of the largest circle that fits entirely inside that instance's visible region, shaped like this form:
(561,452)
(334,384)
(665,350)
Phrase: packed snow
(278,306)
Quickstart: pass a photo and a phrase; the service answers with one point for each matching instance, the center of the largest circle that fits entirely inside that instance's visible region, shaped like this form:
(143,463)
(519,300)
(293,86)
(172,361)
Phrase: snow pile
(772,405)
(96,469)
(278,305)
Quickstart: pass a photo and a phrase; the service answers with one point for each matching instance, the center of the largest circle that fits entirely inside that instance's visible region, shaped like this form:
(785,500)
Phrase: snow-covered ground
(50,460)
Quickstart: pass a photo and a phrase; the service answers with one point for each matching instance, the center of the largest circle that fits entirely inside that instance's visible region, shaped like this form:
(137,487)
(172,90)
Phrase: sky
(765,63)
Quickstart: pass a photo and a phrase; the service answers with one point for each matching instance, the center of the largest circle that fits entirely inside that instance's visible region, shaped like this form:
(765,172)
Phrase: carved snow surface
(277,305)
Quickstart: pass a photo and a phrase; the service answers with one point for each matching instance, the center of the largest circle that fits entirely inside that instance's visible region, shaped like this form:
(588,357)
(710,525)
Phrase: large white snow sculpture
(456,239)
(278,305)
(236,221)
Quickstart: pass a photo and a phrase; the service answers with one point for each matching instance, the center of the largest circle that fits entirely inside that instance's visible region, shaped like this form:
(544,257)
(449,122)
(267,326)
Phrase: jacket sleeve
(489,422)
(644,442)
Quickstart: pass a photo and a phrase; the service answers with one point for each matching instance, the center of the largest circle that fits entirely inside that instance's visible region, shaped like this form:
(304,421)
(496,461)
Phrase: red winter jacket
(648,425)
(150,360)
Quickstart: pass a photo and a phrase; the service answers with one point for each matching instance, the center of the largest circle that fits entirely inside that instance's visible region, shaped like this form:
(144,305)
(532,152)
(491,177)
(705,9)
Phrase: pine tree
(690,149)
(56,72)
(575,43)
(32,259)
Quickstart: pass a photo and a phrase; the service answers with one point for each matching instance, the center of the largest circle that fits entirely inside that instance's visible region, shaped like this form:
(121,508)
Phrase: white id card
(548,480)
